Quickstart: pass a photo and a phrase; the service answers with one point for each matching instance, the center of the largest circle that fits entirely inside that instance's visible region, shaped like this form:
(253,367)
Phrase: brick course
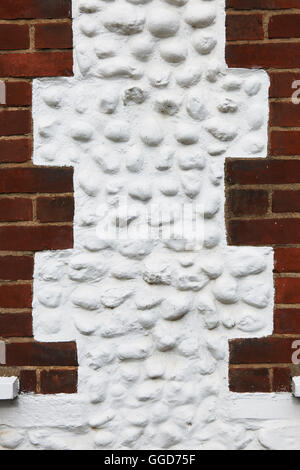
(36,203)
(263,195)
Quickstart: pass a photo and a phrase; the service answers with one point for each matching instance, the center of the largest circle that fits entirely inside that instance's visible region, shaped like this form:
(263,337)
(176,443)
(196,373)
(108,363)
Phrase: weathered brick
(269,350)
(16,325)
(266,55)
(287,260)
(281,379)
(249,380)
(18,93)
(36,64)
(15,268)
(284,26)
(287,290)
(58,381)
(262,171)
(36,180)
(281,84)
(286,201)
(41,354)
(14,36)
(287,321)
(15,296)
(285,143)
(241,27)
(247,201)
(264,231)
(284,114)
(28,381)
(13,9)
(56,209)
(15,209)
(262,4)
(36,238)
(15,122)
(53,36)
(15,151)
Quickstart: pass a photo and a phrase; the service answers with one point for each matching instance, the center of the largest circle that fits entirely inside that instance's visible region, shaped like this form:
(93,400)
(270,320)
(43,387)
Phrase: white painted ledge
(261,406)
(9,388)
(2,353)
(296,387)
(59,411)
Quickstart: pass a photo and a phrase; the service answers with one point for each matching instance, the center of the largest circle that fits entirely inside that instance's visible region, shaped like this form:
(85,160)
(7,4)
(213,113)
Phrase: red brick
(36,238)
(281,84)
(53,36)
(262,171)
(287,260)
(281,379)
(284,114)
(249,380)
(248,202)
(41,354)
(36,64)
(58,381)
(36,180)
(286,201)
(287,321)
(264,231)
(18,93)
(284,26)
(15,209)
(28,381)
(14,36)
(241,27)
(15,325)
(15,268)
(13,9)
(15,296)
(285,143)
(287,290)
(15,122)
(269,350)
(15,151)
(262,4)
(56,209)
(276,55)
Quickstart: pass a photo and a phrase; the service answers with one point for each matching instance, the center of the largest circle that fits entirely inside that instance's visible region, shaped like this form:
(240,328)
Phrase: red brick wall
(263,195)
(36,203)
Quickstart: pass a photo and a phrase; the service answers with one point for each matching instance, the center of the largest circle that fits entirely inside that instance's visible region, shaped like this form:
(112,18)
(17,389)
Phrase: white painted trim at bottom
(9,388)
(264,406)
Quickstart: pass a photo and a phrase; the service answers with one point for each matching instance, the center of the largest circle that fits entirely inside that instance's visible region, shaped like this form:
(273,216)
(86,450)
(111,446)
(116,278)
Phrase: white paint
(2,352)
(151,114)
(9,388)
(296,387)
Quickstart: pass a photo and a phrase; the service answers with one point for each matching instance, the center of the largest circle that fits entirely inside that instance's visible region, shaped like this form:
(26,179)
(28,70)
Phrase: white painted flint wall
(149,118)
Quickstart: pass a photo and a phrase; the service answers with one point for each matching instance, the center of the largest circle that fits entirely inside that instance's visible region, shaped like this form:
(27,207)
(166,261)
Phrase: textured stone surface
(150,115)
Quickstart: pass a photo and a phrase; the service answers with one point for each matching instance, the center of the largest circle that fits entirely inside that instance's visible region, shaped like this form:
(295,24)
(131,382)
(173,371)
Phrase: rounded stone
(82,131)
(163,23)
(105,48)
(203,44)
(117,131)
(159,77)
(186,134)
(167,104)
(124,20)
(151,132)
(188,76)
(196,107)
(173,51)
(199,15)
(142,48)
